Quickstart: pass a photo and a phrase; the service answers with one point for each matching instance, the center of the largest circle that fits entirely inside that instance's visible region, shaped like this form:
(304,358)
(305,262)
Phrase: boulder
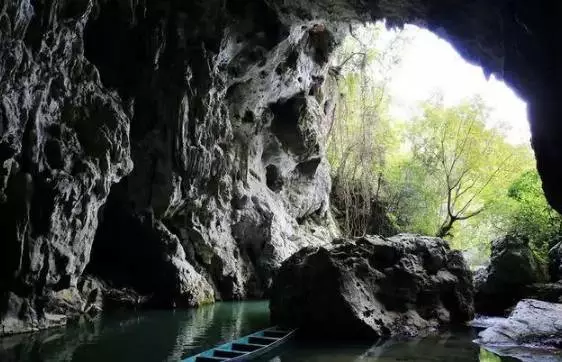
(513,268)
(370,287)
(532,324)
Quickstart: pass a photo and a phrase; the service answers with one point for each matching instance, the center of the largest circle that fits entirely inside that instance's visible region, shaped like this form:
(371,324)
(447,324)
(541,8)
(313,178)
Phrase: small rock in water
(532,332)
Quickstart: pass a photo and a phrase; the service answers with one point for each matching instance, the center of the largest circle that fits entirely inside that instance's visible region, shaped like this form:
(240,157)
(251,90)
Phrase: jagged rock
(64,140)
(228,147)
(372,287)
(226,131)
(534,324)
(20,315)
(90,297)
(513,269)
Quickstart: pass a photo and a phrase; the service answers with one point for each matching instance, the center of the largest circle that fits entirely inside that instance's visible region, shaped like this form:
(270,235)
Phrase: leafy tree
(443,173)
(532,216)
(361,137)
(412,195)
(467,159)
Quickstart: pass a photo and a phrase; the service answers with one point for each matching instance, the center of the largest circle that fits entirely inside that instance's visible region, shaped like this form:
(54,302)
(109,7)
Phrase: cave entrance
(424,142)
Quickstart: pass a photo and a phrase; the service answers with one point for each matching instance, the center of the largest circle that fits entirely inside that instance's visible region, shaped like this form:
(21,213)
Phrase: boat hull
(246,348)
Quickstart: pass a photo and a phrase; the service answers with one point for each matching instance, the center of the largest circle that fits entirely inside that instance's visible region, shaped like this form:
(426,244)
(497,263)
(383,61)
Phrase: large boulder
(371,287)
(513,268)
(532,324)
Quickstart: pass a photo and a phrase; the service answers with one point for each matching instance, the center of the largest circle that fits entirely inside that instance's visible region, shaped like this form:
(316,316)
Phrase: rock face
(64,140)
(204,123)
(406,285)
(512,271)
(533,324)
(222,111)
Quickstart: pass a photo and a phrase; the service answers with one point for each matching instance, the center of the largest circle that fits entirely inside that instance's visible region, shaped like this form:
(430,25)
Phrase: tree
(467,159)
(361,136)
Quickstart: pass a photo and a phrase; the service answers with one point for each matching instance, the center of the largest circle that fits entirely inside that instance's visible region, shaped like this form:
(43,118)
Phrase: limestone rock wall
(64,140)
(204,125)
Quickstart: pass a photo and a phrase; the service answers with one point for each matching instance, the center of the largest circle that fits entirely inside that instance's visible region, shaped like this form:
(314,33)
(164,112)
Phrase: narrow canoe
(245,348)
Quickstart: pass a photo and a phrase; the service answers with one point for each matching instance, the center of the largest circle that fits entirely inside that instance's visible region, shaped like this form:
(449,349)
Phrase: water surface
(172,335)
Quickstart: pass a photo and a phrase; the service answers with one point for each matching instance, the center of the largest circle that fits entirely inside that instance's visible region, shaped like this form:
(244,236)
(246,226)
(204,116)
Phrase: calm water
(171,335)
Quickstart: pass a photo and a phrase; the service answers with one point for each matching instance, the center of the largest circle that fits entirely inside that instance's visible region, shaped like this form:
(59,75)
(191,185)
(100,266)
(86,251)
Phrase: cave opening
(423,141)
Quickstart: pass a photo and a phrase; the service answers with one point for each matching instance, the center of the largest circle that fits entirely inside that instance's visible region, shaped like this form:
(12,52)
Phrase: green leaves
(469,160)
(361,136)
(445,173)
(530,214)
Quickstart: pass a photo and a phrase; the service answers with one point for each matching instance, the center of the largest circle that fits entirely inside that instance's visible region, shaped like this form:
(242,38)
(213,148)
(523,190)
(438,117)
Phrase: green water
(172,335)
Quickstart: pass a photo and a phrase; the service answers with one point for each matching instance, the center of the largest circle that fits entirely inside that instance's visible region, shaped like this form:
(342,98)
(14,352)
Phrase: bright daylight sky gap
(431,64)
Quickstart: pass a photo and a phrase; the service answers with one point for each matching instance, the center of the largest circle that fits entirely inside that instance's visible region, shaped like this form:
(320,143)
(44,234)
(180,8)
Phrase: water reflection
(139,336)
(171,335)
(451,346)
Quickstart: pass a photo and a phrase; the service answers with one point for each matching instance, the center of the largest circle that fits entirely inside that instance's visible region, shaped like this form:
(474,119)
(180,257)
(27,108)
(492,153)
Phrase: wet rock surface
(514,272)
(532,325)
(406,285)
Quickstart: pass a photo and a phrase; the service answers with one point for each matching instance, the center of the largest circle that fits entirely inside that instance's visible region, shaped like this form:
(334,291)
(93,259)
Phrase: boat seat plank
(210,359)
(274,334)
(261,340)
(245,347)
(227,353)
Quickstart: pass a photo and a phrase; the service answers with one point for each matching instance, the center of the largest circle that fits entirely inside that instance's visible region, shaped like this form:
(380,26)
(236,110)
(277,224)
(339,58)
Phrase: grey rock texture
(532,324)
(228,135)
(64,140)
(547,292)
(207,126)
(406,285)
(512,272)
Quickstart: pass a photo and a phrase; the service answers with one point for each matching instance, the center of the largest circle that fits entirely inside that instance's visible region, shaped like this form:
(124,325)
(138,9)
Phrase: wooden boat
(245,348)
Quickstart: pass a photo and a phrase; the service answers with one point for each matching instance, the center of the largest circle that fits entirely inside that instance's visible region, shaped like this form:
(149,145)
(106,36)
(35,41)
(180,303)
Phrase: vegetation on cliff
(449,170)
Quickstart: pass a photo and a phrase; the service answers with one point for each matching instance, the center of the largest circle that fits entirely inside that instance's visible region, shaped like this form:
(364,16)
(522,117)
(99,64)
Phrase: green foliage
(531,216)
(361,136)
(444,173)
(486,356)
(411,191)
(470,162)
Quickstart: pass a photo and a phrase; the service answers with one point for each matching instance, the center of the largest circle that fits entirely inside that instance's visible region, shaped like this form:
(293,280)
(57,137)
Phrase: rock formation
(406,285)
(203,122)
(534,325)
(511,275)
(204,127)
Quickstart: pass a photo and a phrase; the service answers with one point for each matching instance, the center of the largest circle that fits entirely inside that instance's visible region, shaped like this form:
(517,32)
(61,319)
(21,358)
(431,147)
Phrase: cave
(274,179)
(136,130)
